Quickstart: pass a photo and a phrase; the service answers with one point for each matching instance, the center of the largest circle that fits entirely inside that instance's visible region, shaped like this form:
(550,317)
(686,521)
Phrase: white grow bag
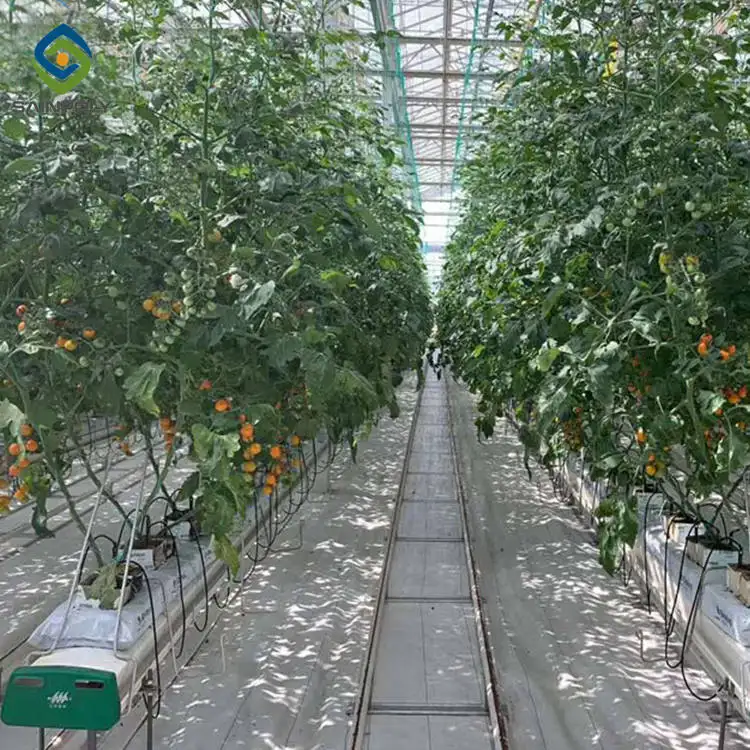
(89,626)
(716,601)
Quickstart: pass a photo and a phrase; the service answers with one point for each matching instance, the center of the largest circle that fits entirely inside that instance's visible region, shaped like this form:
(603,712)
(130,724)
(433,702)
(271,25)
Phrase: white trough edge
(141,656)
(719,655)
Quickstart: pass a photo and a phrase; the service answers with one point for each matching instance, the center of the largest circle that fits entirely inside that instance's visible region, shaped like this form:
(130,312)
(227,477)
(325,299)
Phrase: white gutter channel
(141,657)
(719,655)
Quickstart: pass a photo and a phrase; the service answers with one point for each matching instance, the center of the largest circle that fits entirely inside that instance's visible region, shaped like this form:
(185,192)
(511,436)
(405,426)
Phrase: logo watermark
(69,105)
(71,62)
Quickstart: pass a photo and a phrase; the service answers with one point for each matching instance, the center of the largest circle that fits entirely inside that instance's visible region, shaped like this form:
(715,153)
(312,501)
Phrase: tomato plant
(222,246)
(595,282)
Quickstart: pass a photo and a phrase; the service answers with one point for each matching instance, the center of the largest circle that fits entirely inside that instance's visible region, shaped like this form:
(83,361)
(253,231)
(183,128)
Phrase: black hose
(183,613)
(155,714)
(645,550)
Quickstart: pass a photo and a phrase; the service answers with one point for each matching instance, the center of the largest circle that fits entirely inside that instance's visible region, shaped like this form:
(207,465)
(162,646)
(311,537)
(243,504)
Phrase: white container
(654,503)
(698,551)
(153,557)
(738,582)
(679,530)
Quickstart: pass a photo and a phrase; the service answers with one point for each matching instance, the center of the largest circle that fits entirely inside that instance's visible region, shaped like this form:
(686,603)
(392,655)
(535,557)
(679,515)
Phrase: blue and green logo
(62,58)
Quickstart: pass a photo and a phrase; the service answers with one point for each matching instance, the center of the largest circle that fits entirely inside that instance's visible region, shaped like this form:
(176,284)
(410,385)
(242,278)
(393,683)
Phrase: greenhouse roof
(438,64)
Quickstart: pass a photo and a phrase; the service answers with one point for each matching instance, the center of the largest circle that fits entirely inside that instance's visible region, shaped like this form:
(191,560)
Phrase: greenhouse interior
(374,375)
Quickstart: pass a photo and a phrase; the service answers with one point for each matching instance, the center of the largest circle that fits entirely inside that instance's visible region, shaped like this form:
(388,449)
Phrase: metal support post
(90,740)
(148,689)
(42,740)
(723,695)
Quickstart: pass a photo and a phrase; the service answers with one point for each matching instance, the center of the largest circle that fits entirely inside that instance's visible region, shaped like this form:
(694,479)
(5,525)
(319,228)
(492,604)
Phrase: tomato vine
(596,282)
(222,245)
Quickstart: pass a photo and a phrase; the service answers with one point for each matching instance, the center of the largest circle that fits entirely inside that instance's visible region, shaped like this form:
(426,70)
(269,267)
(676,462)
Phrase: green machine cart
(75,689)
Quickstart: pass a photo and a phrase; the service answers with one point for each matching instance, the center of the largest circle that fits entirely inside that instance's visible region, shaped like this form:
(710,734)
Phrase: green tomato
(690,206)
(211,307)
(113,291)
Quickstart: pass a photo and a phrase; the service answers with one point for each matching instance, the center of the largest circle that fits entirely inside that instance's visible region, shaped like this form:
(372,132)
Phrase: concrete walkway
(295,651)
(428,689)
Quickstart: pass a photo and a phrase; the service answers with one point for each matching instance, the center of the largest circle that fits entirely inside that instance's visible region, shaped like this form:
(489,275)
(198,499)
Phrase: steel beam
(390,56)
(443,127)
(438,100)
(434,74)
(447,28)
(458,41)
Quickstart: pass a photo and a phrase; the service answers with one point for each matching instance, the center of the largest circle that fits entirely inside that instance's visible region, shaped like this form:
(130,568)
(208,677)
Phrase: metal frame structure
(439,61)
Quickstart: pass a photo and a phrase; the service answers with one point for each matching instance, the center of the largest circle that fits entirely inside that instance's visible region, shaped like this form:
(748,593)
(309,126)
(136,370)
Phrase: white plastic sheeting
(92,627)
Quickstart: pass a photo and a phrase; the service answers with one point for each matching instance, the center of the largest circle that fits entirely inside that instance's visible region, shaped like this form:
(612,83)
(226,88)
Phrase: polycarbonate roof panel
(438,70)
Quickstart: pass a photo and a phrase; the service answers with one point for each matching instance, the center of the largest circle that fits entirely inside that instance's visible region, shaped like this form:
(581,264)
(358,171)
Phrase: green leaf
(257,298)
(546,357)
(389,263)
(11,416)
(292,269)
(552,299)
(606,351)
(284,350)
(191,407)
(213,448)
(263,414)
(142,111)
(104,588)
(734,452)
(109,392)
(226,552)
(394,408)
(336,279)
(709,402)
(189,487)
(22,165)
(141,385)
(601,384)
(41,415)
(15,128)
(388,155)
